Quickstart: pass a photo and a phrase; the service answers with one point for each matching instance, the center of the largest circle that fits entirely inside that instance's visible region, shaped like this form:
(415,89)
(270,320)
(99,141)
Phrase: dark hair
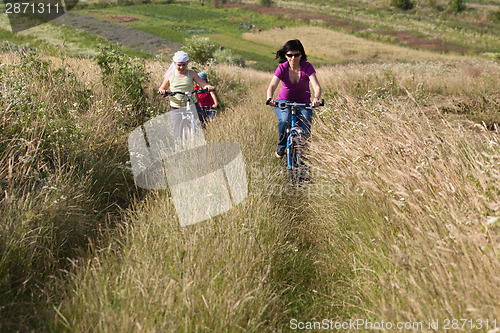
(291,45)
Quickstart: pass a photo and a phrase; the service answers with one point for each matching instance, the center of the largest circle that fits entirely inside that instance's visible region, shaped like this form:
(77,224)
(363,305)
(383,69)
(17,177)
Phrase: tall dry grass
(250,269)
(218,275)
(397,225)
(62,179)
(400,222)
(408,202)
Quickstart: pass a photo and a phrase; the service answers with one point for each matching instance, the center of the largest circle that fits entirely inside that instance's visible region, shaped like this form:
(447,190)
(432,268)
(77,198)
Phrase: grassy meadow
(400,222)
(254,32)
(180,21)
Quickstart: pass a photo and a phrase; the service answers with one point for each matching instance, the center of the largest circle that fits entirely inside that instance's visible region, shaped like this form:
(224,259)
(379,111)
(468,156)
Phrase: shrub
(219,2)
(496,15)
(200,49)
(48,117)
(402,4)
(62,170)
(226,56)
(266,3)
(457,5)
(128,77)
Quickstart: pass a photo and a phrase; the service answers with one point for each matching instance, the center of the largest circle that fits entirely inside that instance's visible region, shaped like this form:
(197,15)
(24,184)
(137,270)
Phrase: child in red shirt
(208,101)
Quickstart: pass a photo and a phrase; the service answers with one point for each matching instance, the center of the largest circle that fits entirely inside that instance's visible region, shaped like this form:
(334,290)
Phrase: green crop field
(473,32)
(429,26)
(176,22)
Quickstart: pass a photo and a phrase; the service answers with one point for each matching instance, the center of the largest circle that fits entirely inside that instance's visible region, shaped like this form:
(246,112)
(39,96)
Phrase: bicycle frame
(294,142)
(294,139)
(187,142)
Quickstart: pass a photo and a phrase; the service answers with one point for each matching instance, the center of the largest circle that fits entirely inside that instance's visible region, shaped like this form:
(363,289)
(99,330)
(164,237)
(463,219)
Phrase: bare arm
(317,90)
(216,102)
(275,81)
(165,84)
(202,83)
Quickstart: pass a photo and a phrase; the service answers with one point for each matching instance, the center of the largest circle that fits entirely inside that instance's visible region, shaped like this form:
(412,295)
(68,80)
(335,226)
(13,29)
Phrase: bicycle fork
(194,135)
(294,133)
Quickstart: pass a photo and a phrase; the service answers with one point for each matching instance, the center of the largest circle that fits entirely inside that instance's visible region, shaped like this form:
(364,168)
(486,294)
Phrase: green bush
(56,111)
(230,90)
(402,4)
(496,15)
(226,56)
(128,78)
(219,2)
(200,49)
(266,3)
(457,5)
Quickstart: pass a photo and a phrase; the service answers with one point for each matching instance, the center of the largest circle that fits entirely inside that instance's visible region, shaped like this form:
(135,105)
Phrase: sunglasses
(296,55)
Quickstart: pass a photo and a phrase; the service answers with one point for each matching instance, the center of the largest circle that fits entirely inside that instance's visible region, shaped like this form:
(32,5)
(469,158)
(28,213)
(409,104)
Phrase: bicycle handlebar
(283,105)
(186,93)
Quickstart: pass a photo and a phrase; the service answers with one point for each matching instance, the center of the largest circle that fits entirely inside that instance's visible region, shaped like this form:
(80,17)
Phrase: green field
(176,22)
(471,32)
(426,27)
(55,39)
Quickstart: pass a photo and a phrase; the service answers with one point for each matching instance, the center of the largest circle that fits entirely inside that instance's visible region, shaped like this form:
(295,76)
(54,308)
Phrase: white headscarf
(179,56)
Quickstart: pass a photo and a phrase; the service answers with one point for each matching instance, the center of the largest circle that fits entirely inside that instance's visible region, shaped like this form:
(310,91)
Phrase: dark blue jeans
(303,120)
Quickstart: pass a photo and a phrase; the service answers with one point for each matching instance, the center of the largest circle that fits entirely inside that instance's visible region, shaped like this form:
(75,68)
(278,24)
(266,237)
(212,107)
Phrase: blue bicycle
(297,169)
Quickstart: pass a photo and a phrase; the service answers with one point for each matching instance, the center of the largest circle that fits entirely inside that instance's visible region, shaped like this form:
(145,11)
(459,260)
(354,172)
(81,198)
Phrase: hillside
(253,31)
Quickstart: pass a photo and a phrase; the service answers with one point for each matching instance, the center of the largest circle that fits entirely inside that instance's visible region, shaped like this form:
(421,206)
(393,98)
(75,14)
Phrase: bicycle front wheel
(186,135)
(294,163)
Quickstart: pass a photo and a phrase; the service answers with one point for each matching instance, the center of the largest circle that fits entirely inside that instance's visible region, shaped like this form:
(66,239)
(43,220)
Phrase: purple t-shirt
(296,92)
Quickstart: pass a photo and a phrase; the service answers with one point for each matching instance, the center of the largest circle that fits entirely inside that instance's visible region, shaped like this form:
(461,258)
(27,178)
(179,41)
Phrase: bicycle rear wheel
(211,114)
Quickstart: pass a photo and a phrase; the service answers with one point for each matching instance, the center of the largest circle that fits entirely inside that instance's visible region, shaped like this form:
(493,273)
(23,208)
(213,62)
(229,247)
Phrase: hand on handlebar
(316,102)
(271,102)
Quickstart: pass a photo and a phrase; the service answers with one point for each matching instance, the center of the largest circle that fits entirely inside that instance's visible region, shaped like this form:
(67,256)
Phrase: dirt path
(117,33)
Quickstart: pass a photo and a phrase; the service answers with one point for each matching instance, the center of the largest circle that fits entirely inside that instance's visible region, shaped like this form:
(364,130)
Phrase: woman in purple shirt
(295,74)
